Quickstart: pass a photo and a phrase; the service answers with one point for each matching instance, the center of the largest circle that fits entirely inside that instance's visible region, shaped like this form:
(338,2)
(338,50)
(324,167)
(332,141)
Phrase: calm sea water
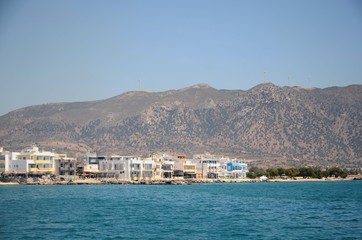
(314,210)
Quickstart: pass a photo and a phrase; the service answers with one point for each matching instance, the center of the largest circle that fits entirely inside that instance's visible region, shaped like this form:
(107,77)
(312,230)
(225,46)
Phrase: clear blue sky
(65,51)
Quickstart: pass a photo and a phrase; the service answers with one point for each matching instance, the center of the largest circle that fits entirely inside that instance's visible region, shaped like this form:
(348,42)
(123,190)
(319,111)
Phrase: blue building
(236,169)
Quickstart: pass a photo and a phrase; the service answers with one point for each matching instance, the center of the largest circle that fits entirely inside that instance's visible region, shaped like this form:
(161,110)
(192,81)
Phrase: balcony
(41,170)
(190,169)
(42,162)
(67,168)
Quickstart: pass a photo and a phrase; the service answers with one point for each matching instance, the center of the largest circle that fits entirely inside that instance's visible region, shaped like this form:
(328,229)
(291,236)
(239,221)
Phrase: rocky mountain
(318,126)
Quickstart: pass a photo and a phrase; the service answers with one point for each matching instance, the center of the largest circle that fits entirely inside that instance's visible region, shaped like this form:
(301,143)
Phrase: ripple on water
(211,211)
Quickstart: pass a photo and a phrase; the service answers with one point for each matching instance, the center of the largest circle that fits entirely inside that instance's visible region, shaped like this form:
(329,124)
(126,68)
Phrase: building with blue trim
(236,170)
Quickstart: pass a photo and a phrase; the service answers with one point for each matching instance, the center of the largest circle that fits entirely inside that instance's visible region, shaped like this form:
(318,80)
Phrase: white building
(185,168)
(32,160)
(168,168)
(126,167)
(236,169)
(148,169)
(113,166)
(5,157)
(158,161)
(135,169)
(209,168)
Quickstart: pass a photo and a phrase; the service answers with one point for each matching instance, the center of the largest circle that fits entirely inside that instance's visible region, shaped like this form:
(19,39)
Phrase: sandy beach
(8,183)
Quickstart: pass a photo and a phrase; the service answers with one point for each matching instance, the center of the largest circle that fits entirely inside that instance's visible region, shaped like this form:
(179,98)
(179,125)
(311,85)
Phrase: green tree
(292,172)
(272,172)
(337,172)
(281,171)
(325,173)
(317,173)
(306,172)
(303,172)
(251,175)
(258,171)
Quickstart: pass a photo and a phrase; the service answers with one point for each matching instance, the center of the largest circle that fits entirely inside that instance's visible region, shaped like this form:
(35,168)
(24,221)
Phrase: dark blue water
(315,210)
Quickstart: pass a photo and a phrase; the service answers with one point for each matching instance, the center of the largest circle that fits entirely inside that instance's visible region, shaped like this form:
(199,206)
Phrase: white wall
(19,166)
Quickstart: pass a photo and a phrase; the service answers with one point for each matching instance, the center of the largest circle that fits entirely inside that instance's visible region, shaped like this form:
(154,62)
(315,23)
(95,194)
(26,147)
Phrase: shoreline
(110,181)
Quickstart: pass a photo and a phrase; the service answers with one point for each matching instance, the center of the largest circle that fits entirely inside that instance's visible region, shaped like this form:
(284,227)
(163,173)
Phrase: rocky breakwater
(173,181)
(51,180)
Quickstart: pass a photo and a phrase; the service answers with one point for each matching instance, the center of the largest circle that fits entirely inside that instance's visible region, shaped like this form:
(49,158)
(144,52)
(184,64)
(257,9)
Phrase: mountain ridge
(315,125)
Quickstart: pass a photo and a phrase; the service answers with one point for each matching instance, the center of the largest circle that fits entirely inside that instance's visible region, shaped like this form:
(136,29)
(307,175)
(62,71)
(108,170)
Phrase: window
(148,166)
(93,161)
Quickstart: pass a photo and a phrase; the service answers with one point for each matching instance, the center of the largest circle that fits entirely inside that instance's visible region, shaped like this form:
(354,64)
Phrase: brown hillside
(314,125)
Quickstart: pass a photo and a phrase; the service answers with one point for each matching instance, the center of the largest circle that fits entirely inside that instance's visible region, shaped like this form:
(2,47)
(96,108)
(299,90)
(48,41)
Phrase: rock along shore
(94,181)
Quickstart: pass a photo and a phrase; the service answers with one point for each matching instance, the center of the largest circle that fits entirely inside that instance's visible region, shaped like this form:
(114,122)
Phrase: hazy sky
(65,51)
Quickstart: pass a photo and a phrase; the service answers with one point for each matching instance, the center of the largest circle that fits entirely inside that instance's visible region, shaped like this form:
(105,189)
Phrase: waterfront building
(168,168)
(120,167)
(5,158)
(90,170)
(91,165)
(136,168)
(32,160)
(179,167)
(209,168)
(65,166)
(92,158)
(151,167)
(158,160)
(190,169)
(127,168)
(236,169)
(185,168)
(148,169)
(113,167)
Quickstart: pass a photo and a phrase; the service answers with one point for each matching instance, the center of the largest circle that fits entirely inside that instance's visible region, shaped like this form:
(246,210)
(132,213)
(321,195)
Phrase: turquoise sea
(302,210)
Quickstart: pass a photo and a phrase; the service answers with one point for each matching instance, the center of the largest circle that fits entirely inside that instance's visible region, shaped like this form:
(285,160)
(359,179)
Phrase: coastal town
(34,165)
(37,165)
